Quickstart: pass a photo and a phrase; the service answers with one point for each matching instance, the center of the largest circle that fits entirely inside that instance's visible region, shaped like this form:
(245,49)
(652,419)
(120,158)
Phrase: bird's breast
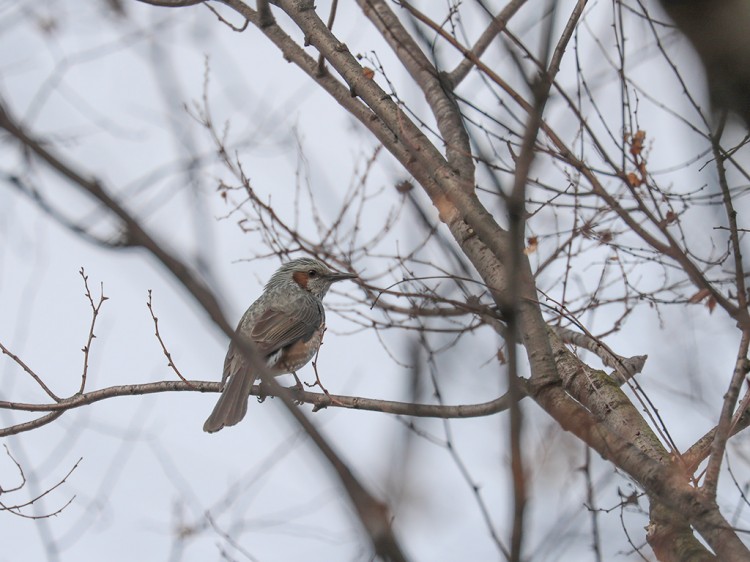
(295,356)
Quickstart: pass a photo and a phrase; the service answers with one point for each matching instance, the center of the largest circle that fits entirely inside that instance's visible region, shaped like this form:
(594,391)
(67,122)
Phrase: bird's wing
(275,328)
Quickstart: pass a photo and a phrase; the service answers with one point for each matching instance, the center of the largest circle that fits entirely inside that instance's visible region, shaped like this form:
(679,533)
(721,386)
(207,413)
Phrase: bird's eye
(312,273)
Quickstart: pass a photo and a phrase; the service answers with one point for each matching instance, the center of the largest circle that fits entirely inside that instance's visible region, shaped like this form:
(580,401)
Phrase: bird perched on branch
(285,325)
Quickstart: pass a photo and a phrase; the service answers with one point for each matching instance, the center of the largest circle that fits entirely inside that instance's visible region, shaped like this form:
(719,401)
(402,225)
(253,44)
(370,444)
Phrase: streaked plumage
(286,325)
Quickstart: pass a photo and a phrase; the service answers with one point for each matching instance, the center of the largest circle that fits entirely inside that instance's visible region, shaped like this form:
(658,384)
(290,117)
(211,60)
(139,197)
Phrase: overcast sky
(115,95)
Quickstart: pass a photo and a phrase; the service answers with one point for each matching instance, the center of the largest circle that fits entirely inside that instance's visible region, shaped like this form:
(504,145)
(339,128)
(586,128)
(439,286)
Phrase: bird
(286,326)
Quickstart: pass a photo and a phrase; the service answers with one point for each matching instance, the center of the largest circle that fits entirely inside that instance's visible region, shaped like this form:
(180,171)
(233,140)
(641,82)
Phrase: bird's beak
(335,276)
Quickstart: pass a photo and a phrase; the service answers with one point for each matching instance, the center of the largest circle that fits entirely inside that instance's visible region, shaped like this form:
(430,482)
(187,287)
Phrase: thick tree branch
(437,91)
(672,539)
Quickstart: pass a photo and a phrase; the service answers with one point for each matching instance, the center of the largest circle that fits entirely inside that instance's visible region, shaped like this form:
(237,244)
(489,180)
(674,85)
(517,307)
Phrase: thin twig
(4,490)
(95,307)
(229,24)
(228,537)
(31,373)
(15,509)
(725,426)
(331,18)
(167,354)
(496,26)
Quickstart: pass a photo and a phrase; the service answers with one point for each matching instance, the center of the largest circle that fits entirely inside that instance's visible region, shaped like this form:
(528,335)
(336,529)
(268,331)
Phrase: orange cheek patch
(301,278)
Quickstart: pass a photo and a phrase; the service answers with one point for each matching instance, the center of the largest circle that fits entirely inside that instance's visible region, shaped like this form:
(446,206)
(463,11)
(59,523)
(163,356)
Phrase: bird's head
(309,274)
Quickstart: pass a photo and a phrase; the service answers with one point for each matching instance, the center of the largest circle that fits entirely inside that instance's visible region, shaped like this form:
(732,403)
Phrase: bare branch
(31,373)
(495,28)
(164,349)
(95,307)
(16,509)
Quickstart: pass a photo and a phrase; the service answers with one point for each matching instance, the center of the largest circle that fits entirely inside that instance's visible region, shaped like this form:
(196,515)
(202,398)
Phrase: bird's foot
(262,392)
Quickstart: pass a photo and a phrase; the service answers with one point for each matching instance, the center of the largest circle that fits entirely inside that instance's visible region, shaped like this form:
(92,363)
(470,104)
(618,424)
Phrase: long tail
(232,404)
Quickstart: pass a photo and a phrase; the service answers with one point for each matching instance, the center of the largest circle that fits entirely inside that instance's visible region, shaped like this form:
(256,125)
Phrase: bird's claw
(262,392)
